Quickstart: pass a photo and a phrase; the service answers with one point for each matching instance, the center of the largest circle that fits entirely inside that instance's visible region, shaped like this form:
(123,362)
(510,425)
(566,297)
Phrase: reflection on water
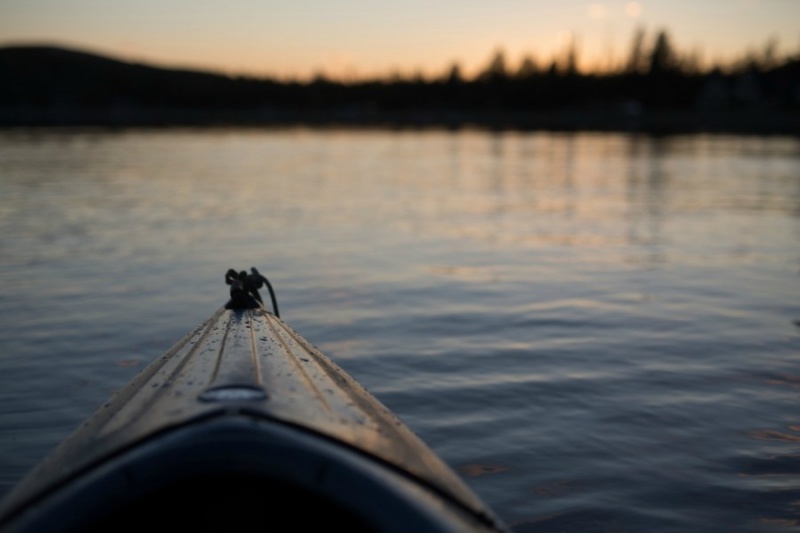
(598,331)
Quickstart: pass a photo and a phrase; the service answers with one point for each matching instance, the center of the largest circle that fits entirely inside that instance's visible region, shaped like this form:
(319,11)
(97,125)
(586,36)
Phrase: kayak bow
(244,425)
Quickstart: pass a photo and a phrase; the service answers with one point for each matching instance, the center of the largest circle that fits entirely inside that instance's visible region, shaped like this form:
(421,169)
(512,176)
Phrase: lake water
(599,332)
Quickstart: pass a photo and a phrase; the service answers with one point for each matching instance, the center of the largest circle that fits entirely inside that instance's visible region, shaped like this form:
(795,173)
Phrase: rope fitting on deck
(244,290)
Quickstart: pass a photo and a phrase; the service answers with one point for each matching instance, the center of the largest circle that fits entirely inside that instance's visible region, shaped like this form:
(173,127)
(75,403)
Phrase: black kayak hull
(244,425)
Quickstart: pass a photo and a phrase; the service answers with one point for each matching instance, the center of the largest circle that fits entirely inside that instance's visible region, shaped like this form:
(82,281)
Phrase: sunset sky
(358,38)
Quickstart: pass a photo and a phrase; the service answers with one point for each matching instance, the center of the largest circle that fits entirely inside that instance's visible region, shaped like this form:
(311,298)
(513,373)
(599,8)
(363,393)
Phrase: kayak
(244,425)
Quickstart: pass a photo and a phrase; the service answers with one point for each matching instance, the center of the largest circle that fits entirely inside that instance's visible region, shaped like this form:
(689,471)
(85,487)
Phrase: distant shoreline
(58,87)
(758,122)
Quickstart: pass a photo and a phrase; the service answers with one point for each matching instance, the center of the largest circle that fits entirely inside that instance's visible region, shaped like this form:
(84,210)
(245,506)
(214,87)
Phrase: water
(598,331)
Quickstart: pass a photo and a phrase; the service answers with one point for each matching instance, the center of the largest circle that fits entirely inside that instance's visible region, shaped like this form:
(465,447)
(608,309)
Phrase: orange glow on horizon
(353,39)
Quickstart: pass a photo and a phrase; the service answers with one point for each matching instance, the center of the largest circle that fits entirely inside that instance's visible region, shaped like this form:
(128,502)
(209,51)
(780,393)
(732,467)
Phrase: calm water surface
(598,331)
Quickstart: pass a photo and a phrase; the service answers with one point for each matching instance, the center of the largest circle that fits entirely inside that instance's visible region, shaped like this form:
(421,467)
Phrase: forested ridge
(657,88)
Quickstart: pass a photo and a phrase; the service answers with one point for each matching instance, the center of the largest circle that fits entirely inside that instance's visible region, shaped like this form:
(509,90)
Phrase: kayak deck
(241,420)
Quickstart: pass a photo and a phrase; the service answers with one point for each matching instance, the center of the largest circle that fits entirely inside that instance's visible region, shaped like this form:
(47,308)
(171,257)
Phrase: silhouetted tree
(497,69)
(454,75)
(769,55)
(527,68)
(571,60)
(320,77)
(636,55)
(662,58)
(758,60)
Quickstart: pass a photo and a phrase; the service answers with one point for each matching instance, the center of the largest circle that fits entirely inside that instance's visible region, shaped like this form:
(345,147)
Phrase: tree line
(655,83)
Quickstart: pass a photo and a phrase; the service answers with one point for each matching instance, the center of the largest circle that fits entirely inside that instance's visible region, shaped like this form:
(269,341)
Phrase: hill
(49,84)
